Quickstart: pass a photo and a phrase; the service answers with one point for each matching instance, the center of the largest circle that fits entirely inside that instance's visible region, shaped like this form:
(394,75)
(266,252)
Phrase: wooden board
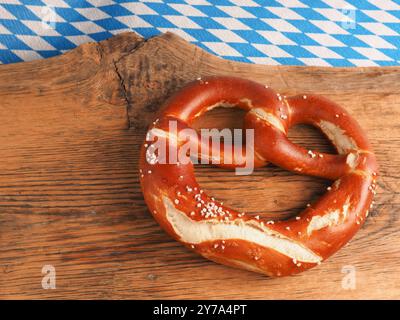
(69,193)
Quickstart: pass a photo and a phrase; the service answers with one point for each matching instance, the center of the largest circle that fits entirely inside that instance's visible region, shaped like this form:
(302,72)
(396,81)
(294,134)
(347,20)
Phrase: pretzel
(224,235)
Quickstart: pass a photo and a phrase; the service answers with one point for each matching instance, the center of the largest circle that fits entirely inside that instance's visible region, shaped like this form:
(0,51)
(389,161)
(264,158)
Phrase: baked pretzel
(224,235)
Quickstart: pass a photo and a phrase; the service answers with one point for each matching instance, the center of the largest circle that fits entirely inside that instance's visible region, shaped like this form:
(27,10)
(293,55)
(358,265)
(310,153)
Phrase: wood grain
(69,193)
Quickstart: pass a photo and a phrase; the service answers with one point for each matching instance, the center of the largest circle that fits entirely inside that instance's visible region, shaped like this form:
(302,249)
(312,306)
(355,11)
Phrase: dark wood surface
(70,131)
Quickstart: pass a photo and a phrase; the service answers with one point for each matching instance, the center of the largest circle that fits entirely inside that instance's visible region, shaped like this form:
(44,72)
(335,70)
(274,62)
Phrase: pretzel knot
(221,234)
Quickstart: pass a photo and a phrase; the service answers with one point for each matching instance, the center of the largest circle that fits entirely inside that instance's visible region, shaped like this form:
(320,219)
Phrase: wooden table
(70,197)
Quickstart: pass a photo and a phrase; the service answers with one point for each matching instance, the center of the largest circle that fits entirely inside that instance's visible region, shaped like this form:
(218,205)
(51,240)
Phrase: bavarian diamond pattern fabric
(290,32)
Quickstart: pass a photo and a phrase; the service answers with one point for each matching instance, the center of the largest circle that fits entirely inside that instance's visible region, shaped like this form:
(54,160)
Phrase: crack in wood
(124,92)
(122,82)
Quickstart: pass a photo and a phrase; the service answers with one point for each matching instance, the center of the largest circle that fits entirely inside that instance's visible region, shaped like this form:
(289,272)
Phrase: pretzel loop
(221,234)
(273,145)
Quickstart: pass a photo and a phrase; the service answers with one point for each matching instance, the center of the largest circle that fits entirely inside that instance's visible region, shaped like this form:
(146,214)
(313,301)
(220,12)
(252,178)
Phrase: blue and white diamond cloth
(290,32)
